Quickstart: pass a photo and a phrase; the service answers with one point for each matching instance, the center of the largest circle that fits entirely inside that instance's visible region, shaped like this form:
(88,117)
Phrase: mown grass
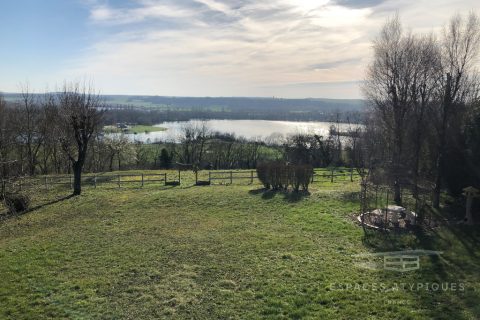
(220,252)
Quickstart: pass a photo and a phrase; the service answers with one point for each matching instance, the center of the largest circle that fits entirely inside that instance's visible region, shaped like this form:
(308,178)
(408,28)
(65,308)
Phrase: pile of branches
(15,202)
(279,175)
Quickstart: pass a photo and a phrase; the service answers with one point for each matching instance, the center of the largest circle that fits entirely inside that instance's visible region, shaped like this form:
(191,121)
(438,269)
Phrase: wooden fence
(230,176)
(319,175)
(140,180)
(49,182)
(333,174)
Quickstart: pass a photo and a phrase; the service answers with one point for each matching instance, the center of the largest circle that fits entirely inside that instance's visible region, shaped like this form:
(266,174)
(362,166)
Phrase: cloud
(240,47)
(150,10)
(359,3)
(334,64)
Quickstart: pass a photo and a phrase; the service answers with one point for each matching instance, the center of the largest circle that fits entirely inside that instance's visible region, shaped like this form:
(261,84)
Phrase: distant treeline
(239,103)
(155,109)
(152,116)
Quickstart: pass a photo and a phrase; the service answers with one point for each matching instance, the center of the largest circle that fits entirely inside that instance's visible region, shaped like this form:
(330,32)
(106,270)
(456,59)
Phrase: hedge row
(278,175)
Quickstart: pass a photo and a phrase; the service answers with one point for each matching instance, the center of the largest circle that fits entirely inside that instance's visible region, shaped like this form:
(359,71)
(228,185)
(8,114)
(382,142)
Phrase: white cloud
(150,10)
(245,47)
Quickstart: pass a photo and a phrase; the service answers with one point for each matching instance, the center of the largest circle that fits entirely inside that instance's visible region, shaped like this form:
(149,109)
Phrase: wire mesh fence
(138,180)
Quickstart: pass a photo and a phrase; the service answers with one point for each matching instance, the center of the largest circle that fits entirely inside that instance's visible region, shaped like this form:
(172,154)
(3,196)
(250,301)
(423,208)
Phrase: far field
(220,252)
(134,129)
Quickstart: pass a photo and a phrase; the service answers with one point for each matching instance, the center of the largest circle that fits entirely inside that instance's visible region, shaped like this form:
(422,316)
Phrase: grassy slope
(145,128)
(134,129)
(217,252)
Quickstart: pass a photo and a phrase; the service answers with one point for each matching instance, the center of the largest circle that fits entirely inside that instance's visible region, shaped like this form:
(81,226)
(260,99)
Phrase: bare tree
(460,47)
(79,116)
(193,141)
(6,139)
(49,152)
(118,146)
(30,126)
(422,96)
(398,84)
(387,88)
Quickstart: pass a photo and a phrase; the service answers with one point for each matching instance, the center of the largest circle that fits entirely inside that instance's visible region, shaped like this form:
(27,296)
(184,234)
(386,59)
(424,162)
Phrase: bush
(301,176)
(17,202)
(165,159)
(262,174)
(279,175)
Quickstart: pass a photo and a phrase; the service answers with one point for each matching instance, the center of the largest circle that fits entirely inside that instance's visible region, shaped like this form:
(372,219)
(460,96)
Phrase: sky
(280,48)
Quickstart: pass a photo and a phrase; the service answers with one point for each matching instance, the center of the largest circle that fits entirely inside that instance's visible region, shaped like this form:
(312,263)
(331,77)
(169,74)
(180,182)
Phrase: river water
(250,129)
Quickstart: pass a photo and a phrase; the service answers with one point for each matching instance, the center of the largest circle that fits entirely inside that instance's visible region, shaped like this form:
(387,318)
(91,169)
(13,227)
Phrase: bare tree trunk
(77,179)
(110,166)
(438,183)
(442,144)
(397,155)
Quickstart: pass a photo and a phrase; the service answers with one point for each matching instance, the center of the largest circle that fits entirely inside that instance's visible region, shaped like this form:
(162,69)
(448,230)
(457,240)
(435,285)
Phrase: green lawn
(220,252)
(145,128)
(134,129)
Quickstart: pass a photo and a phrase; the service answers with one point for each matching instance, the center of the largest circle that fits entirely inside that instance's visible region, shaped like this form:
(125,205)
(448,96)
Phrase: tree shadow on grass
(400,239)
(468,236)
(288,196)
(456,264)
(9,216)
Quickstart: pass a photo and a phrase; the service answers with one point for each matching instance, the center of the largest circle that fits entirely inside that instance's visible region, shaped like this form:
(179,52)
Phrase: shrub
(262,174)
(17,202)
(279,175)
(165,159)
(301,176)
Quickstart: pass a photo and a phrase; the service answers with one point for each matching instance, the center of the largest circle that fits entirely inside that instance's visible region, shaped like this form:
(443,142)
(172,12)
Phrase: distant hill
(236,103)
(184,108)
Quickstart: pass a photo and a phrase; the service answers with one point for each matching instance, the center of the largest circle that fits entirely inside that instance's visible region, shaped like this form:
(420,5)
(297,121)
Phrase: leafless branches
(417,88)
(79,116)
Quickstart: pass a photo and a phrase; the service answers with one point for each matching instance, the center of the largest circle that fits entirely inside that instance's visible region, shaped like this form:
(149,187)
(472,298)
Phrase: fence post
(251,177)
(231,177)
(351,174)
(142,180)
(209,177)
(331,179)
(165,178)
(118,176)
(386,213)
(95,181)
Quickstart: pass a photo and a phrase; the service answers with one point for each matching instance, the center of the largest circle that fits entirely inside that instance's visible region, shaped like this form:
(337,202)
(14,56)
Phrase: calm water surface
(250,129)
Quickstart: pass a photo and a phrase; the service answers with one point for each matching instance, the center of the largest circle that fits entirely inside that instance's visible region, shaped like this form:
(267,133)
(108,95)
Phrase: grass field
(134,129)
(221,252)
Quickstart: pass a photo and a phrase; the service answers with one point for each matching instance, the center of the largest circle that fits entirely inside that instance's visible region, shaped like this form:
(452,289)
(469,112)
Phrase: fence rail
(219,177)
(92,180)
(232,175)
(334,173)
